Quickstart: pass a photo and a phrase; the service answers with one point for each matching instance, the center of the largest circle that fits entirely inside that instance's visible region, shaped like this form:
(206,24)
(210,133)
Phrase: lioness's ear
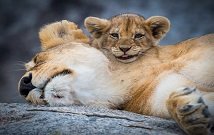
(159,26)
(96,26)
(59,33)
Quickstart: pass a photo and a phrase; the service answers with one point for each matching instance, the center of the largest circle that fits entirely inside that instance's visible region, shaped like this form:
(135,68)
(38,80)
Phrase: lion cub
(125,68)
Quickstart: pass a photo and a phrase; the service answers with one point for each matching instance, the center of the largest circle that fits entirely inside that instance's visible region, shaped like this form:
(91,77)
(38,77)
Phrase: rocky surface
(25,119)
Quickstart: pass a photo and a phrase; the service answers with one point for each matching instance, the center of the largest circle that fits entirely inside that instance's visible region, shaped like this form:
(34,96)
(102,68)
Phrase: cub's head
(127,36)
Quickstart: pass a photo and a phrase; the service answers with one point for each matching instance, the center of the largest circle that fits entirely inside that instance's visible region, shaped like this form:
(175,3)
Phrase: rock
(26,119)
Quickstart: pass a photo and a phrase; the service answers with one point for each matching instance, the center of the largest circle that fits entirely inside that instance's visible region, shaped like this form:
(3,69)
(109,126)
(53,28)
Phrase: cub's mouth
(126,57)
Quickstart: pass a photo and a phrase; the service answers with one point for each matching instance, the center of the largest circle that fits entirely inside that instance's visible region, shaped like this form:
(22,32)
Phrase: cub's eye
(114,35)
(139,36)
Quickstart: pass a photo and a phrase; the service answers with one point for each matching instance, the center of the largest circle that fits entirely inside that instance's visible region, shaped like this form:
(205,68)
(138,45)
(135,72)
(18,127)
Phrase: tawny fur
(59,33)
(142,84)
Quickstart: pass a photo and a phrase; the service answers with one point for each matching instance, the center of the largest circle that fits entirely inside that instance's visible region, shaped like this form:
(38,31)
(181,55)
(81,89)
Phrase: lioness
(125,68)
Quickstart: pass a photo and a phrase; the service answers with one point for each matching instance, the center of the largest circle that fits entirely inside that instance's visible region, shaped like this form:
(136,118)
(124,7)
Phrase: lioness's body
(126,70)
(164,69)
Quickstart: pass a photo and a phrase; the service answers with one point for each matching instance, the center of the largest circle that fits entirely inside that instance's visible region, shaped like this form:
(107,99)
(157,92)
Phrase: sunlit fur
(146,83)
(55,34)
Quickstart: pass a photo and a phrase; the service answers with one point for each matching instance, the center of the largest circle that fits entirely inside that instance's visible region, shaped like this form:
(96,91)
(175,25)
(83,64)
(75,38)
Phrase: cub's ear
(96,26)
(159,26)
(59,33)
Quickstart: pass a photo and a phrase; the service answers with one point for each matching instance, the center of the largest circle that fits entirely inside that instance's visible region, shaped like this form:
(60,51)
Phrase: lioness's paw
(187,107)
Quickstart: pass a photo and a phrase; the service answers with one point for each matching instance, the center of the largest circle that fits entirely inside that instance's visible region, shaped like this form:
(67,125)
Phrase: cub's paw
(188,109)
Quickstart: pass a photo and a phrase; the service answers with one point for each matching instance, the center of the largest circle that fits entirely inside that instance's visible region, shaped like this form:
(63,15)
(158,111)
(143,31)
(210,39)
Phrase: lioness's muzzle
(25,85)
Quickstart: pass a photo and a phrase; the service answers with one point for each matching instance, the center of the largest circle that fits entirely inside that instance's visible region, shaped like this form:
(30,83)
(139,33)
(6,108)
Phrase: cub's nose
(25,85)
(124,48)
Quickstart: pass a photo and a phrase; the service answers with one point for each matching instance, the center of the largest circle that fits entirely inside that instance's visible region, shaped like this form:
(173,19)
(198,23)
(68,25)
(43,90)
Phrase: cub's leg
(188,109)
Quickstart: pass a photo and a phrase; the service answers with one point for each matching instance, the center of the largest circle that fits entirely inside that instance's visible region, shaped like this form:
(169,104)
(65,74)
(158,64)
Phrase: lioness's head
(127,36)
(51,69)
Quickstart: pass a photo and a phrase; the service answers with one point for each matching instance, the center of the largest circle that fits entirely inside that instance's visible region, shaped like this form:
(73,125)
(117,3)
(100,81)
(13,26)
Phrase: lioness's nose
(124,48)
(25,85)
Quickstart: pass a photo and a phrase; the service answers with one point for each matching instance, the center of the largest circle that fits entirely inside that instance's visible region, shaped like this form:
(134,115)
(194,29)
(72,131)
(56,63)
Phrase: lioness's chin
(128,60)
